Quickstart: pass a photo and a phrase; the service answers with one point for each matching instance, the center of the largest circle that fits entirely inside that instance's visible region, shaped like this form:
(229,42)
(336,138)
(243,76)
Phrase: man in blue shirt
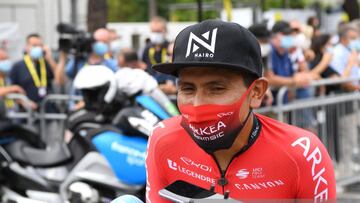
(100,55)
(281,72)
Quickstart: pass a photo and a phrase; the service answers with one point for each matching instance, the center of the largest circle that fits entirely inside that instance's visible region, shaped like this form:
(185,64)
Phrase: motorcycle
(103,153)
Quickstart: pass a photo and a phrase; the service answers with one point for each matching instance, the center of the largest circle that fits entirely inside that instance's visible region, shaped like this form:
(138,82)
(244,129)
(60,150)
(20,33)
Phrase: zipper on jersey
(252,138)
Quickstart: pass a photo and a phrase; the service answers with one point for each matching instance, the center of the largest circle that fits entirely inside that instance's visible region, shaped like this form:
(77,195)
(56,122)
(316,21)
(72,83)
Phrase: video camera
(74,41)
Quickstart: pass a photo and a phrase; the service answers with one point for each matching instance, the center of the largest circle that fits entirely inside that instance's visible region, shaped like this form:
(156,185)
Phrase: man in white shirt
(345,60)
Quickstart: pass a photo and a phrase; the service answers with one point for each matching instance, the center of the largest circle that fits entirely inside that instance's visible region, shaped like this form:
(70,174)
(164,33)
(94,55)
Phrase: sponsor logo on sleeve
(317,170)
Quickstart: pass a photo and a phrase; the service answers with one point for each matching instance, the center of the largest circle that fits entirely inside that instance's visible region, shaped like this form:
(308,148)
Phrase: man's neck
(224,157)
(280,51)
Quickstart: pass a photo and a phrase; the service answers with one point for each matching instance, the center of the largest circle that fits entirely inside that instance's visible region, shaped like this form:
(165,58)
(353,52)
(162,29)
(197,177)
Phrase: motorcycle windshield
(149,103)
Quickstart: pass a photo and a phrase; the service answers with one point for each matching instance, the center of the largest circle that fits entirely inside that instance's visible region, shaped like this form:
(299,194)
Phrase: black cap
(282,27)
(260,31)
(215,43)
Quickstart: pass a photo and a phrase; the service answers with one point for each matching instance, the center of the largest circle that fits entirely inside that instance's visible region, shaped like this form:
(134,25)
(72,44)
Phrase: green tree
(96,18)
(137,11)
(127,10)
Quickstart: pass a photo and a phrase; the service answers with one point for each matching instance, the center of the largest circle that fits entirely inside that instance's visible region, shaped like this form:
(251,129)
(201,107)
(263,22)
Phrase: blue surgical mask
(100,48)
(355,44)
(36,52)
(5,66)
(287,42)
(115,47)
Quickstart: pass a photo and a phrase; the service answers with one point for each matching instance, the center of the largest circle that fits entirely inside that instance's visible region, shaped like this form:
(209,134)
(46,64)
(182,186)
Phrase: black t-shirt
(160,77)
(21,76)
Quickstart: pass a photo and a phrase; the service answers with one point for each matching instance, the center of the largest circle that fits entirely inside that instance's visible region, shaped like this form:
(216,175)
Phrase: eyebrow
(181,82)
(213,82)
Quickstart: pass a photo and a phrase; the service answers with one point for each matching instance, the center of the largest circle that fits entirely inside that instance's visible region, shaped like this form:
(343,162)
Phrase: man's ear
(258,91)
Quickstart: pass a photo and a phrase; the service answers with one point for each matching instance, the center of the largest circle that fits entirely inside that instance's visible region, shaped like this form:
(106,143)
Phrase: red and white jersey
(284,162)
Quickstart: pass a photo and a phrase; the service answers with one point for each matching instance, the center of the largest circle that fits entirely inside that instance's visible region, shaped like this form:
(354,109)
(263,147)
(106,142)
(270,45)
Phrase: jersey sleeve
(316,179)
(155,180)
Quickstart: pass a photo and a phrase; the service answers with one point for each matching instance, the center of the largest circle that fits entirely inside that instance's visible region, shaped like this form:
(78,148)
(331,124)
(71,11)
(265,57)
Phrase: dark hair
(260,31)
(281,27)
(318,42)
(130,56)
(249,78)
(32,35)
(310,20)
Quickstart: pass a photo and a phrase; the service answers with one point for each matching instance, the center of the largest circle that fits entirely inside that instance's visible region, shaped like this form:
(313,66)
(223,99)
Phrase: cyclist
(218,141)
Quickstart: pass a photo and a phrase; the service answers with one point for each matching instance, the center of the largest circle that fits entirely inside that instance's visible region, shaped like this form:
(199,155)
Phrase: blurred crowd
(293,54)
(296,54)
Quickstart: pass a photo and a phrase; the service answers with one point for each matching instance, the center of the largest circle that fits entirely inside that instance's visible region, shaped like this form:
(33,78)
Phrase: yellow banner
(228,9)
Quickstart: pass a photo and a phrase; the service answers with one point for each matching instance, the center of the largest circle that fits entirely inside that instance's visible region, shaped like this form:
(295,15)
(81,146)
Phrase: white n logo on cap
(193,37)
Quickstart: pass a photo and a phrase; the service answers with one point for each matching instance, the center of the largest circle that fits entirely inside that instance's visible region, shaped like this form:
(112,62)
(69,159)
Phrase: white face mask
(115,46)
(157,37)
(265,49)
(301,41)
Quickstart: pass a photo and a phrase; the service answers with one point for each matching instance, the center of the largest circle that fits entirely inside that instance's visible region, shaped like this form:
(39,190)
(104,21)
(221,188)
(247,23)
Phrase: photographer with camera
(98,55)
(35,72)
(85,50)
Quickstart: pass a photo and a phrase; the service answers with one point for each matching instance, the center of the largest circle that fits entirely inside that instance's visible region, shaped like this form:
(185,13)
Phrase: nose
(198,99)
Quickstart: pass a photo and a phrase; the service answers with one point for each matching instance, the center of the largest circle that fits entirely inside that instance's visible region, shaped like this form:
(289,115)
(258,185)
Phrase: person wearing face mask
(115,43)
(156,51)
(304,117)
(218,143)
(100,55)
(281,72)
(300,45)
(5,87)
(35,72)
(345,56)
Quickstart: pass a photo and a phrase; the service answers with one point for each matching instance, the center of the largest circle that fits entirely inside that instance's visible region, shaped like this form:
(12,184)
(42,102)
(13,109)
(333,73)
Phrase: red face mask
(214,127)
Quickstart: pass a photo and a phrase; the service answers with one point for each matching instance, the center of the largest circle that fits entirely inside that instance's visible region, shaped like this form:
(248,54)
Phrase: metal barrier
(53,116)
(335,118)
(28,115)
